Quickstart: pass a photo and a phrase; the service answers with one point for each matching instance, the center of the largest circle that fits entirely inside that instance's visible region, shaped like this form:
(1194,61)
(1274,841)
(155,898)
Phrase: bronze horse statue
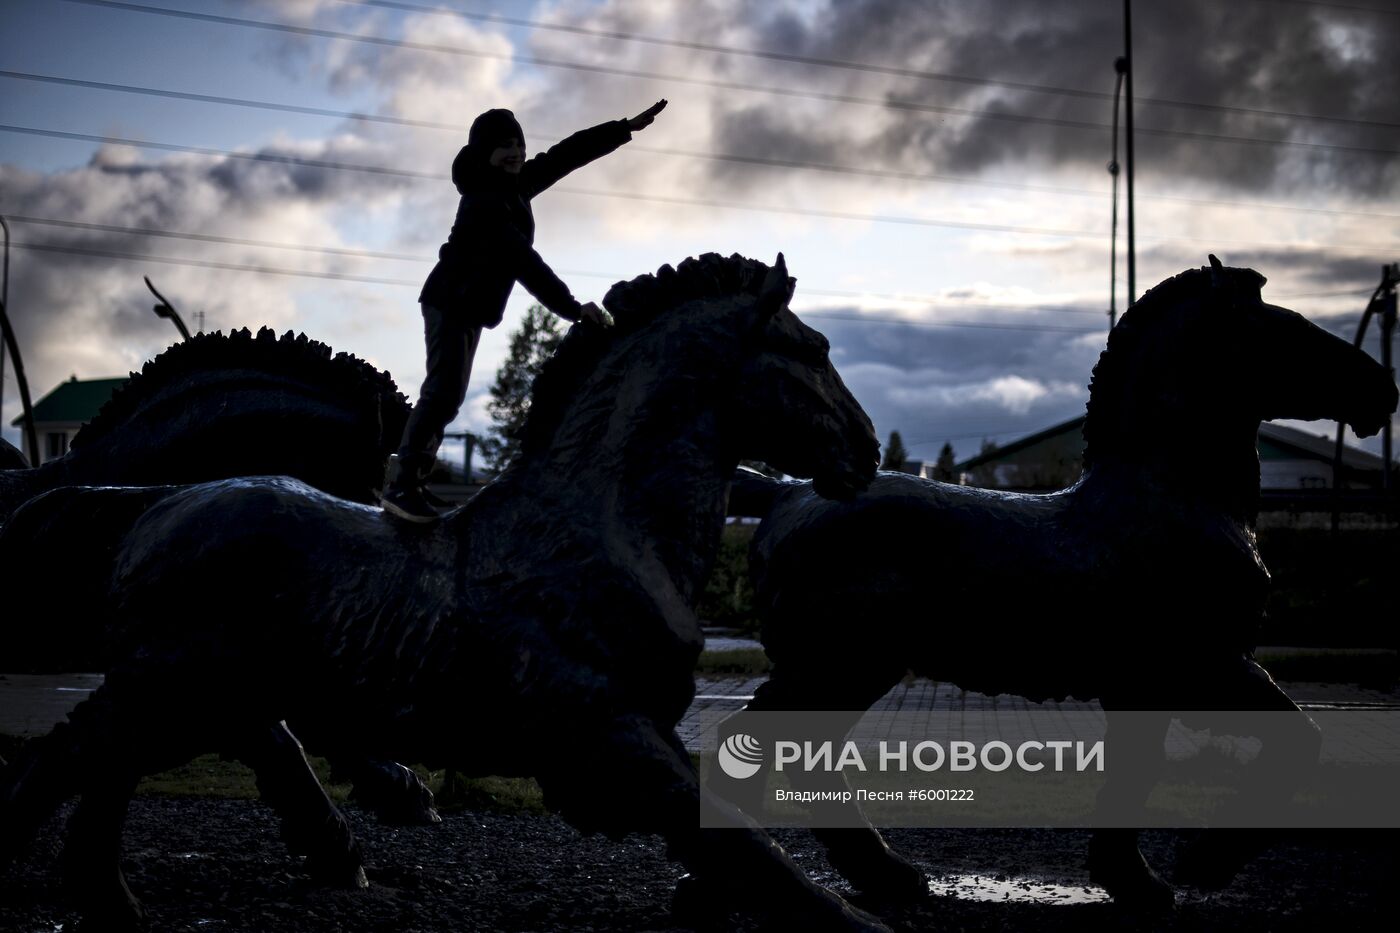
(216,406)
(1152,553)
(546,628)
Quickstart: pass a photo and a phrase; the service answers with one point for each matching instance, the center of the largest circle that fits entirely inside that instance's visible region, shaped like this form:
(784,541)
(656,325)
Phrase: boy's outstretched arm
(583,147)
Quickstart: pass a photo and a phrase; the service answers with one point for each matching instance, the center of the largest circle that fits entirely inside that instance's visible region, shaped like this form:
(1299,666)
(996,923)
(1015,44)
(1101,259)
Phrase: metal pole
(1128,121)
(13,345)
(4,300)
(1120,66)
(1387,332)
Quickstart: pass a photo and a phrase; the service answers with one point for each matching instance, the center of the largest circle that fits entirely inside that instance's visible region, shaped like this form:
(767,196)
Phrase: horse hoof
(127,917)
(1213,860)
(1136,888)
(419,816)
(890,877)
(1123,872)
(336,872)
(845,918)
(694,905)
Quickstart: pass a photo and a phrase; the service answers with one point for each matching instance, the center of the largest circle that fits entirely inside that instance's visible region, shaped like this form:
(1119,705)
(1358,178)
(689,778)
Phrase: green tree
(895,454)
(945,467)
(531,345)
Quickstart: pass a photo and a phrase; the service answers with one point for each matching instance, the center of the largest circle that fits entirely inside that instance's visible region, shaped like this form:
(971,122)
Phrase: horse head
(1204,351)
(706,365)
(792,408)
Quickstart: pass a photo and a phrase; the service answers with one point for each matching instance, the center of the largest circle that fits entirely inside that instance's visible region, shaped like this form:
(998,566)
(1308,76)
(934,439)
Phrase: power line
(887,102)
(407,257)
(1351,7)
(612,276)
(733,158)
(211,238)
(415,283)
(858,66)
(212,264)
(662,199)
(561,189)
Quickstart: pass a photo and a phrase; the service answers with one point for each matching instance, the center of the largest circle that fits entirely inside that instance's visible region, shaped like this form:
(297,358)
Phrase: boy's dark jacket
(490,247)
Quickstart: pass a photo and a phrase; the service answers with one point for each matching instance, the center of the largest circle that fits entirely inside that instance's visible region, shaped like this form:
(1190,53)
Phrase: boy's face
(508,156)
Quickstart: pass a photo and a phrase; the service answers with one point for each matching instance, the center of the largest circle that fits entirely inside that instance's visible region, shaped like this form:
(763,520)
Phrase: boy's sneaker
(408,503)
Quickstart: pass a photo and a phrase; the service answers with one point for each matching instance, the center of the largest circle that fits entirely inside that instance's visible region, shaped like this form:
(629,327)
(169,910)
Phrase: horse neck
(649,476)
(1169,461)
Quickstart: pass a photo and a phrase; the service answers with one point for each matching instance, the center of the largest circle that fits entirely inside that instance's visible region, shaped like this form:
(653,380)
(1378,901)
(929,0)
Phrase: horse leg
(1115,862)
(311,824)
(39,778)
(92,853)
(633,778)
(1291,745)
(860,854)
(104,749)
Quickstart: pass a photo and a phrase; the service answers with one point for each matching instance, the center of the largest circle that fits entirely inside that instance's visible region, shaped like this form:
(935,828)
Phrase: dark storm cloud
(1253,54)
(961,385)
(1306,267)
(77,307)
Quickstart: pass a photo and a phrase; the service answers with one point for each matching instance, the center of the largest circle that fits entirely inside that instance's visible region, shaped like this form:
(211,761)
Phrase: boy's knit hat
(487,133)
(492,127)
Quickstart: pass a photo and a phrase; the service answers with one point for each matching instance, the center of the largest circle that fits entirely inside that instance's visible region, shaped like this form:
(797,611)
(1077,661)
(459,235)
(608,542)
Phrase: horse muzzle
(844,481)
(1371,421)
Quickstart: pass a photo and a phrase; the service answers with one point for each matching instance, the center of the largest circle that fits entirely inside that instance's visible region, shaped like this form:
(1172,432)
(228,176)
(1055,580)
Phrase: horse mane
(633,305)
(342,376)
(1222,287)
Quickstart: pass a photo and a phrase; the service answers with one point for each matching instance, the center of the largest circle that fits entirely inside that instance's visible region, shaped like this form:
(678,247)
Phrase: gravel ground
(219,865)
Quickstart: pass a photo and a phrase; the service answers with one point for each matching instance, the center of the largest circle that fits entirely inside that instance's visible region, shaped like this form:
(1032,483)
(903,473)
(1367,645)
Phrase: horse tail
(64,543)
(752,494)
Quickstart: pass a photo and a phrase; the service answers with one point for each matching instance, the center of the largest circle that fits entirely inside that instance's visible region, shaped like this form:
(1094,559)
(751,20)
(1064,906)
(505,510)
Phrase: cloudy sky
(935,172)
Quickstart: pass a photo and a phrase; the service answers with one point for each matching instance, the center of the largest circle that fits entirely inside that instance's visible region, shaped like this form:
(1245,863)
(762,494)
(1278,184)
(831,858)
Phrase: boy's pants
(451,343)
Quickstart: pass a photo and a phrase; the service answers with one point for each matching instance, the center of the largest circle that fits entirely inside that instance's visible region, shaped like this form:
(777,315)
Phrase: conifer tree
(895,454)
(531,345)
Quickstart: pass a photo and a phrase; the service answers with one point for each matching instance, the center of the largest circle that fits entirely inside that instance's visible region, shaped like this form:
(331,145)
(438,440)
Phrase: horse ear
(776,291)
(1215,269)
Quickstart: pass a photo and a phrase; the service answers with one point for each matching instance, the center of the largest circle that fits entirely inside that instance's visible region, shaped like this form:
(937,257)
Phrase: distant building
(916,467)
(59,415)
(1290,461)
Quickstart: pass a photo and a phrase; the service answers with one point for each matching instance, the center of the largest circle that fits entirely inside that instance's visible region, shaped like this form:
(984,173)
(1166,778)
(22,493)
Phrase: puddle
(1014,890)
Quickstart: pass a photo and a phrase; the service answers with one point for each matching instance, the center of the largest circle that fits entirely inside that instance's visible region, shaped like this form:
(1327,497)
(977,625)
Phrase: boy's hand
(643,119)
(595,315)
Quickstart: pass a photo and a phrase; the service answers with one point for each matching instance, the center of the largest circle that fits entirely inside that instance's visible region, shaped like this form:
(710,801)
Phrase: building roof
(1307,446)
(77,400)
(1276,442)
(1064,427)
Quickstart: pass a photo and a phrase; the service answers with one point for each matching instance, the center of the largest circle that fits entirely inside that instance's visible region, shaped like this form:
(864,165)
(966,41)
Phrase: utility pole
(7,334)
(1128,121)
(468,444)
(1383,302)
(1120,67)
(1388,313)
(4,302)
